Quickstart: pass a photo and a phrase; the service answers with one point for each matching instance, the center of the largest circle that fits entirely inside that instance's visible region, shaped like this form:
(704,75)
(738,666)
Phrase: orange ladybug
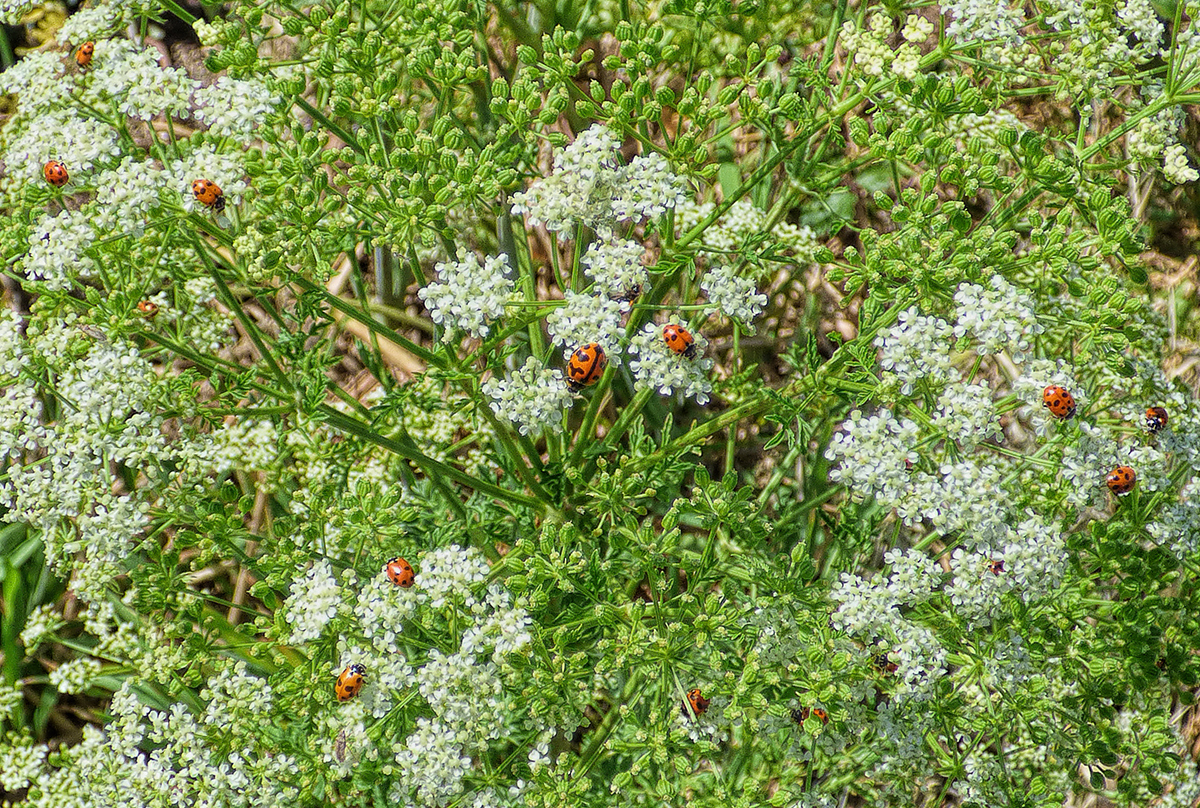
(350,682)
(996,566)
(148,308)
(209,194)
(55,173)
(400,572)
(586,366)
(1059,401)
(695,701)
(83,56)
(1121,479)
(1156,419)
(679,340)
(801,715)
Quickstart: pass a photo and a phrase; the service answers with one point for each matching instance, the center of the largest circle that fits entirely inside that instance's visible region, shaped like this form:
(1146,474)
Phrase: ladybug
(350,682)
(1156,419)
(696,701)
(83,56)
(1121,479)
(801,715)
(996,566)
(679,340)
(400,572)
(586,365)
(148,308)
(55,173)
(1059,401)
(209,194)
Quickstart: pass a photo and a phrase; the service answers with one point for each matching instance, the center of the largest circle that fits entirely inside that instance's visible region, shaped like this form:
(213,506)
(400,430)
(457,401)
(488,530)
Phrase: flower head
(657,366)
(533,399)
(735,297)
(588,318)
(468,295)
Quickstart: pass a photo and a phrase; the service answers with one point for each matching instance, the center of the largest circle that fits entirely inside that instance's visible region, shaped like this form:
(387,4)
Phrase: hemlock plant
(839,554)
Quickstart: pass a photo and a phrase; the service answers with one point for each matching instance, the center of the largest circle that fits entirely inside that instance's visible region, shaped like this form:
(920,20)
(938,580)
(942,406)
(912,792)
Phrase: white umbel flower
(655,365)
(615,265)
(468,295)
(233,107)
(588,318)
(1000,317)
(533,399)
(590,186)
(313,603)
(737,298)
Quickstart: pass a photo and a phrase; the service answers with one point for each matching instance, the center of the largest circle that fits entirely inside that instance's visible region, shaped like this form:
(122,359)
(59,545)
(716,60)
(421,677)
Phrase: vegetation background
(838,554)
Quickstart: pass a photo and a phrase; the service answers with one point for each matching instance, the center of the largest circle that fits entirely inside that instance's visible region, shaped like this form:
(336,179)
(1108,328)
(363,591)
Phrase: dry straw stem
(394,355)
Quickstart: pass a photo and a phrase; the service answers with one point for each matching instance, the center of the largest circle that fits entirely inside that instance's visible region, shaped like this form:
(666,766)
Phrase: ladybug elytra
(350,682)
(400,572)
(209,194)
(1059,401)
(1121,479)
(83,56)
(148,308)
(696,701)
(679,340)
(586,365)
(1156,419)
(996,566)
(55,173)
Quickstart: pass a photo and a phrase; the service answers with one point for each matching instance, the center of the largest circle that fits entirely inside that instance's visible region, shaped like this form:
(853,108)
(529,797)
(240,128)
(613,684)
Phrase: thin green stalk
(250,327)
(430,466)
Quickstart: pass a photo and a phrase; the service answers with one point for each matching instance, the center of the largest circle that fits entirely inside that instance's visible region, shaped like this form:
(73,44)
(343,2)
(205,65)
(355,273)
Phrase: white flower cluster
(735,297)
(915,348)
(1178,524)
(131,76)
(615,265)
(314,601)
(464,689)
(533,399)
(75,675)
(1030,560)
(184,768)
(590,186)
(1176,167)
(872,610)
(988,21)
(588,318)
(234,107)
(468,295)
(967,414)
(741,223)
(40,626)
(999,317)
(656,366)
(83,144)
(871,52)
(873,456)
(58,249)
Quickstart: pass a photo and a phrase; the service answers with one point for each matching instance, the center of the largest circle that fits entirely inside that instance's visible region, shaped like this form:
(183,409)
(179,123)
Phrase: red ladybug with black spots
(697,703)
(679,340)
(1059,401)
(350,682)
(400,572)
(586,365)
